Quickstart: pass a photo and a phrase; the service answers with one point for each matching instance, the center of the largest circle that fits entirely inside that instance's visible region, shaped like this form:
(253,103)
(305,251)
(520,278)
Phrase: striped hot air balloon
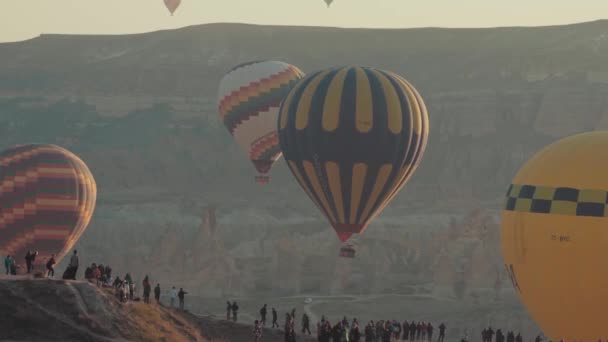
(248,101)
(172,5)
(47,198)
(353,137)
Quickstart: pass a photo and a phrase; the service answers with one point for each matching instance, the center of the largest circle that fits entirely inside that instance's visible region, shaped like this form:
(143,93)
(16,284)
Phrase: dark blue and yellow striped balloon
(353,137)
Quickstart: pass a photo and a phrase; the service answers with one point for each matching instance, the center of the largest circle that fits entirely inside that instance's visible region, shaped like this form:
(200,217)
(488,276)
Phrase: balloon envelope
(353,137)
(248,101)
(555,237)
(47,198)
(172,5)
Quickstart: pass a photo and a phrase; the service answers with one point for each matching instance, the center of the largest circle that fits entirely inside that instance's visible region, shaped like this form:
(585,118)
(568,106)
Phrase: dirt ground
(58,310)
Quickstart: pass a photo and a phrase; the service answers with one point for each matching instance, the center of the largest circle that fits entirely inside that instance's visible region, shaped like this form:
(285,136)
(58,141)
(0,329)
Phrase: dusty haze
(25,19)
(140,111)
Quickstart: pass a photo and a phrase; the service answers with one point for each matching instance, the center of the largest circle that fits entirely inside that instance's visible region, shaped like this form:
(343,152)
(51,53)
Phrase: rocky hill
(49,310)
(140,110)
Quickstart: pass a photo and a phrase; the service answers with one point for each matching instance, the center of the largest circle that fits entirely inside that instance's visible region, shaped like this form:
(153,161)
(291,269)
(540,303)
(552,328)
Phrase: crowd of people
(344,330)
(124,289)
(98,274)
(11,267)
(377,331)
(232,310)
(374,331)
(487,335)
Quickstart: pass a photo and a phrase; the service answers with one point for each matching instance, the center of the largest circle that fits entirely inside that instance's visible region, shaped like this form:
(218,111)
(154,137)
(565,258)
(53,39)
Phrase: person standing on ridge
(108,272)
(147,288)
(131,290)
(28,261)
(228,310)
(96,273)
(397,330)
(370,335)
(126,289)
(490,333)
(441,332)
(74,265)
(518,338)
(263,315)
(355,333)
(274,318)
(290,332)
(7,264)
(33,260)
(500,337)
(172,296)
(157,293)
(257,331)
(50,267)
(423,330)
(413,327)
(128,278)
(235,310)
(387,334)
(305,324)
(13,267)
(102,274)
(180,295)
(405,331)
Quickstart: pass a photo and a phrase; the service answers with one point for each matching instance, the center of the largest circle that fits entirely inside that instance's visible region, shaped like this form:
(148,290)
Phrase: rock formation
(140,111)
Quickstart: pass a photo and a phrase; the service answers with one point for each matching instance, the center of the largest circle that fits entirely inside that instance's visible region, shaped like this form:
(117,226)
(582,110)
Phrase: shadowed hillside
(48,310)
(77,311)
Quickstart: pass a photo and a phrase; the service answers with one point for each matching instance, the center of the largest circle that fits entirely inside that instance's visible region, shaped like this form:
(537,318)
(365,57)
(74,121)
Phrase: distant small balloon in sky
(172,5)
(328,2)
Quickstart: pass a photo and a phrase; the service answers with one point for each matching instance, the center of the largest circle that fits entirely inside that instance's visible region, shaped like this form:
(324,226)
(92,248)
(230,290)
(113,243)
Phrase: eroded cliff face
(140,110)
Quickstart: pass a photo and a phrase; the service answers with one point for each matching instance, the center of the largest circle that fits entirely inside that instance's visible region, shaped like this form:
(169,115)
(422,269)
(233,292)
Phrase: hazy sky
(23,19)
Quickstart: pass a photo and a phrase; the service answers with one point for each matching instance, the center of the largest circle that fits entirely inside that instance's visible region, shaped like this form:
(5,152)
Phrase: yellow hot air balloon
(555,237)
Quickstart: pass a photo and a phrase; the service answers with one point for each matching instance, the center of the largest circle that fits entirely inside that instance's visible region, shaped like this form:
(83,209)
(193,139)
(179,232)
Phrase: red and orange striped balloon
(47,198)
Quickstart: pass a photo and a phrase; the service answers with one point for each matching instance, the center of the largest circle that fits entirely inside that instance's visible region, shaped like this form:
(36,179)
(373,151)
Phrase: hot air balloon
(352,137)
(47,198)
(329,2)
(248,102)
(554,238)
(172,5)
